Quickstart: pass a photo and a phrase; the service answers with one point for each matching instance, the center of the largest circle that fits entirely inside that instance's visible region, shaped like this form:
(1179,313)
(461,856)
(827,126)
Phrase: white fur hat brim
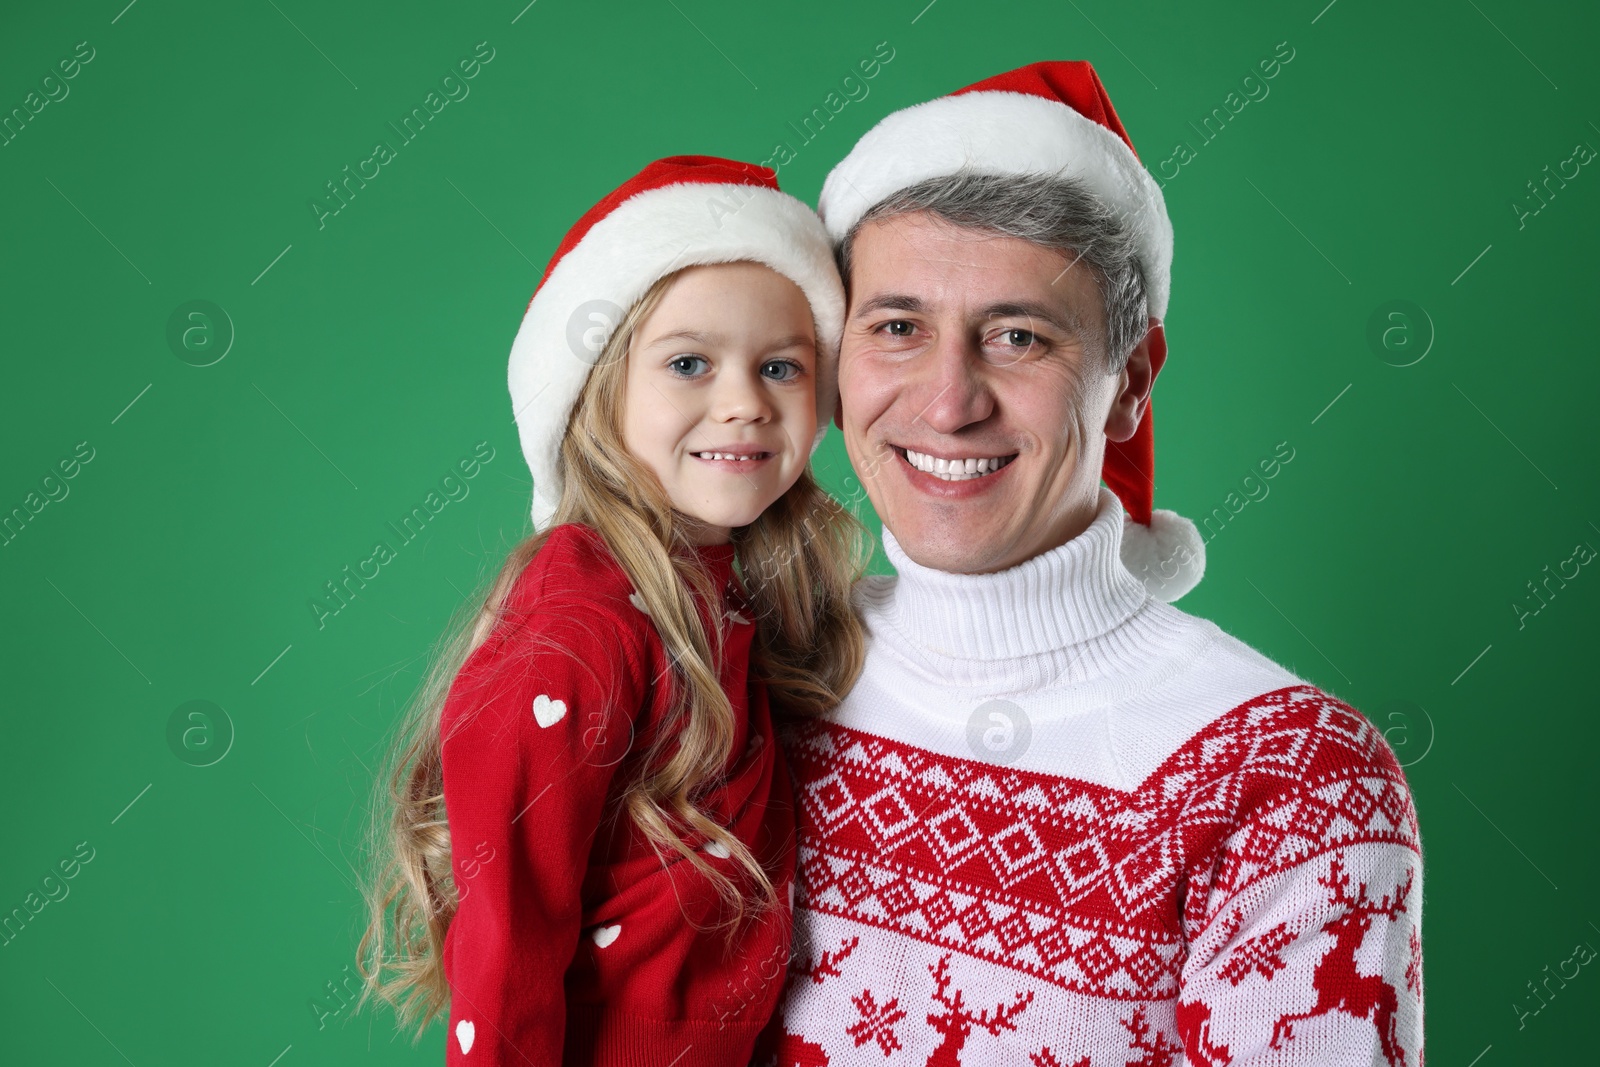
(643,239)
(995,132)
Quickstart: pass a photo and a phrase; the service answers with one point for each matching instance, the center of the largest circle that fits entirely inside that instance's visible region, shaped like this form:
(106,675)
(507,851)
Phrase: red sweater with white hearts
(1059,823)
(574,942)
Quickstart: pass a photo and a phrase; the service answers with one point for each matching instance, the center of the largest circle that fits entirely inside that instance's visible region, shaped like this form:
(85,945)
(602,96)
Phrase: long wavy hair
(798,562)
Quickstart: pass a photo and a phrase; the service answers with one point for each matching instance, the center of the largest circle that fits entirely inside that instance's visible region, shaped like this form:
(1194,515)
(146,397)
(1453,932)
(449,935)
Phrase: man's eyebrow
(890,302)
(1061,318)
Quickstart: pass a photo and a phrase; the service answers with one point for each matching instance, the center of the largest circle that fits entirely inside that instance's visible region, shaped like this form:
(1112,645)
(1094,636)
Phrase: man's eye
(1019,338)
(688,366)
(780,370)
(899,328)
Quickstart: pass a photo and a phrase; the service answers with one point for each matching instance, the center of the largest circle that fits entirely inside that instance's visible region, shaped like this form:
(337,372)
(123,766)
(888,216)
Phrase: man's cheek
(866,395)
(857,443)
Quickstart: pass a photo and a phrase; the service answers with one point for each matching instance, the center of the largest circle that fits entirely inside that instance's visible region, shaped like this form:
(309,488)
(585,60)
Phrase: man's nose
(952,393)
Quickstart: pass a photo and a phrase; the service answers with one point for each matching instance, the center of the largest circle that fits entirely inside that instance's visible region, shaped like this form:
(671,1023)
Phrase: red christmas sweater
(574,942)
(1058,823)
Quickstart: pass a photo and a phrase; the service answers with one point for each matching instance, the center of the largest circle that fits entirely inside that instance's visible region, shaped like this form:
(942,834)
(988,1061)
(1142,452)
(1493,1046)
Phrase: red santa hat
(1051,118)
(678,212)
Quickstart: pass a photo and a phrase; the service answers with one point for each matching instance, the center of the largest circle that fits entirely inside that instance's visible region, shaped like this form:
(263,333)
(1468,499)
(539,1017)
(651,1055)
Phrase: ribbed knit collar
(1064,597)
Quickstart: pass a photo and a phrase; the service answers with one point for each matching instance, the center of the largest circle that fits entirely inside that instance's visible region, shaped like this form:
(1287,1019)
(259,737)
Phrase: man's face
(975,402)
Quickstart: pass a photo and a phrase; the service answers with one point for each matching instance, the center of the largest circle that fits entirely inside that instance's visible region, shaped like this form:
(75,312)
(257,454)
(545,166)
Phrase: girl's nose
(737,398)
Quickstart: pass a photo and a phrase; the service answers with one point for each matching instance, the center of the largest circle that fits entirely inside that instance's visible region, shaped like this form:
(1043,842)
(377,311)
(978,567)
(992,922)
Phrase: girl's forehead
(728,302)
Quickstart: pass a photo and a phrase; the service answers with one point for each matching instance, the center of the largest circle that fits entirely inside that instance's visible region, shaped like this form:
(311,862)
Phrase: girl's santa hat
(683,211)
(1044,119)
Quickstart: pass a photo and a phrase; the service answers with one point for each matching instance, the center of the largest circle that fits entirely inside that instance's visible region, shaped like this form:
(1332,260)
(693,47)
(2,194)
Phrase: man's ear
(1138,378)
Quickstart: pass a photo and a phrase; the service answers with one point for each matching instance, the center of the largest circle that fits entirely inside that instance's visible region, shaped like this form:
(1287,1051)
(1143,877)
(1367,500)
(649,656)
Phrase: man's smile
(954,468)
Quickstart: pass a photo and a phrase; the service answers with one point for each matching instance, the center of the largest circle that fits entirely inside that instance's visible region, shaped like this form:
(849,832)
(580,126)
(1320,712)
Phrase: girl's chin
(732,508)
(719,523)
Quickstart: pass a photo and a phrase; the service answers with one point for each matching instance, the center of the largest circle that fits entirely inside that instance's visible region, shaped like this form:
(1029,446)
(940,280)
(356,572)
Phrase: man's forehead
(920,265)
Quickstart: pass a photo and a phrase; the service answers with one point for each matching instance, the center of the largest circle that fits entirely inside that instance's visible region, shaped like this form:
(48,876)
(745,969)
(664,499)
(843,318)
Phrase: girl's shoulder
(573,573)
(573,586)
(572,564)
(571,600)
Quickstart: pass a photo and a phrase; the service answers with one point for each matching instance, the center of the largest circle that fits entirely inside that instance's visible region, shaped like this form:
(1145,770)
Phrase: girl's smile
(733,458)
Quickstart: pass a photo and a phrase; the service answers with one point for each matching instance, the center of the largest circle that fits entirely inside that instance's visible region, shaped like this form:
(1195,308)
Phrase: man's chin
(943,543)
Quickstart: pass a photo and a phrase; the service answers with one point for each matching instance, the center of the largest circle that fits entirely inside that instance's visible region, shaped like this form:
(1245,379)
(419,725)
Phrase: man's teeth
(956,470)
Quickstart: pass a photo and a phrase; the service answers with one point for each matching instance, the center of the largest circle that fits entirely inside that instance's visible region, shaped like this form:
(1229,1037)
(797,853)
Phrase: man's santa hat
(1050,119)
(683,211)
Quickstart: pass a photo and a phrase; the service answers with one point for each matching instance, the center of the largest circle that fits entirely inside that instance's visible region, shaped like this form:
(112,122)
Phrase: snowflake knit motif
(1022,869)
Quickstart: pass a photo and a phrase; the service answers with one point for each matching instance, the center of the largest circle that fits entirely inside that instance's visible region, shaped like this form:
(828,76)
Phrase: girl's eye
(688,366)
(781,370)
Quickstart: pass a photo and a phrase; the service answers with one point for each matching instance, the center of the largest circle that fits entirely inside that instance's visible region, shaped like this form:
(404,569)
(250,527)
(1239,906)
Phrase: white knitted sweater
(1060,823)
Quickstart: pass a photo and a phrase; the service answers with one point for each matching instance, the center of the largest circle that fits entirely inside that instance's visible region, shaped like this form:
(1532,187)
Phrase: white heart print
(465,1032)
(547,712)
(604,935)
(717,849)
(638,601)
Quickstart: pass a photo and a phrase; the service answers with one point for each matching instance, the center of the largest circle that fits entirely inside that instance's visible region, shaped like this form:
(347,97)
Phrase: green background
(370,356)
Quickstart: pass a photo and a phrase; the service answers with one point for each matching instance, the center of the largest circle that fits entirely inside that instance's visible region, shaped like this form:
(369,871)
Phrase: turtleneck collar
(1060,598)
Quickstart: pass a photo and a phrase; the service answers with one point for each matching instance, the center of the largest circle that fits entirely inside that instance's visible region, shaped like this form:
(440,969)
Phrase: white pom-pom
(1168,555)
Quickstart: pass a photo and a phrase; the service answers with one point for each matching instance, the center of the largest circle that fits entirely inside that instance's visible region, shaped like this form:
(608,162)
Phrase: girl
(591,848)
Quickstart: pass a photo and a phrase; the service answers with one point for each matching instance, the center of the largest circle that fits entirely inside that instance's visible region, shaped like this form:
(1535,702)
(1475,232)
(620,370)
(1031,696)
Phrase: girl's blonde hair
(798,562)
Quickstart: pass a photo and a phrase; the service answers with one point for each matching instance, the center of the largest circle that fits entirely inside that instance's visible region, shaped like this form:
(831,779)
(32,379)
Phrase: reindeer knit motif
(1188,855)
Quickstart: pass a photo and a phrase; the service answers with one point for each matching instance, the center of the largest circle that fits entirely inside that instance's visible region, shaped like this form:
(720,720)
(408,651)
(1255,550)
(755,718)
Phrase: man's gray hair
(1054,211)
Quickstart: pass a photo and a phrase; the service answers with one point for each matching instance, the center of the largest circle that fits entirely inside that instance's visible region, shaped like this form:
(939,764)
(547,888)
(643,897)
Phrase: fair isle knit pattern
(1198,857)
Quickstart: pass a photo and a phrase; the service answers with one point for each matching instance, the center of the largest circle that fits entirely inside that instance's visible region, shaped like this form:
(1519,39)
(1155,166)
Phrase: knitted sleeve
(534,728)
(1306,945)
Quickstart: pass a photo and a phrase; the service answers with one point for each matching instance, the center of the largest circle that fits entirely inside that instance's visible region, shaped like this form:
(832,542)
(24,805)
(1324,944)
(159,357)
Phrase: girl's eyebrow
(704,339)
(798,340)
(695,337)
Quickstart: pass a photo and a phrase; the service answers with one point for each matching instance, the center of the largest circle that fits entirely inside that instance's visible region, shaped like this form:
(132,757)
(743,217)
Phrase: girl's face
(720,400)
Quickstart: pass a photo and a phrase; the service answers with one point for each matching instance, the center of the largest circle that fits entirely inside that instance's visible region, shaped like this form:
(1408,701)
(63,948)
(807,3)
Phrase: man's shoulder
(1232,693)
(1208,682)
(1227,649)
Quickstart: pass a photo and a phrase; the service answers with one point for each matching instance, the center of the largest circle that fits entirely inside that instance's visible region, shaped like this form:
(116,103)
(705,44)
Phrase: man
(1059,822)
